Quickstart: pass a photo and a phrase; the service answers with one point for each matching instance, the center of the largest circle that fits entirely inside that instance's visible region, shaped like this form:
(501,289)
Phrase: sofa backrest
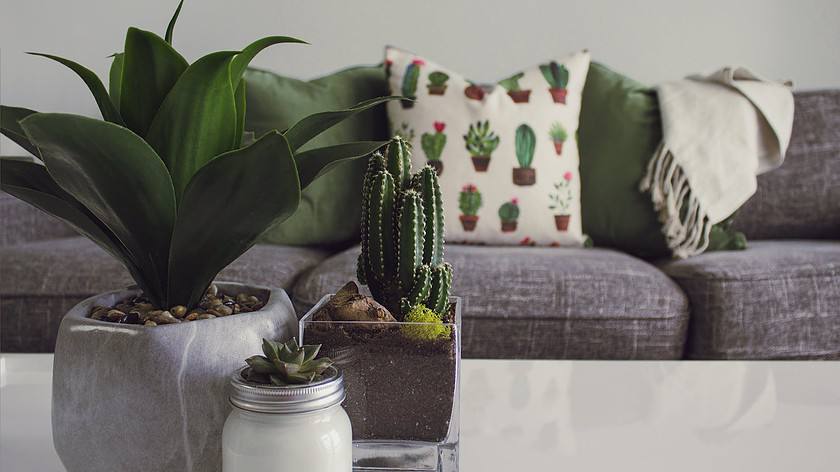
(23,223)
(801,199)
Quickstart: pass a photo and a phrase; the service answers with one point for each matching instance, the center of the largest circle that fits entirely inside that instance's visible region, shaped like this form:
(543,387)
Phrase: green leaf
(307,128)
(239,97)
(151,69)
(229,203)
(270,349)
(316,162)
(170,28)
(118,177)
(103,101)
(260,364)
(10,127)
(115,76)
(311,352)
(197,120)
(241,61)
(30,182)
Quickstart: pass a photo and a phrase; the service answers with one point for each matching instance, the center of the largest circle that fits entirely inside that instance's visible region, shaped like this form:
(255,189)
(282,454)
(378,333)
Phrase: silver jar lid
(262,398)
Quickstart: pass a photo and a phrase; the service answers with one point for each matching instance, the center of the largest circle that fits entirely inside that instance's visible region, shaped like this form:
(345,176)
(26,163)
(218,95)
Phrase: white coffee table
(570,416)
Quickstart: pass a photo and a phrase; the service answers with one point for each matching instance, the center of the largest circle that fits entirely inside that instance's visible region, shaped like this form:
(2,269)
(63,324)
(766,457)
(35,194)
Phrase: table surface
(574,415)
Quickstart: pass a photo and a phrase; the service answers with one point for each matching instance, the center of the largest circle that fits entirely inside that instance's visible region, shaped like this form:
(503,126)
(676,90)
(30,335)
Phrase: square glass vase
(402,383)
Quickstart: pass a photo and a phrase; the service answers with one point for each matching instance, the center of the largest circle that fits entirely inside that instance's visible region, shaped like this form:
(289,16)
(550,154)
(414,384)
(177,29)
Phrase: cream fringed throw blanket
(719,132)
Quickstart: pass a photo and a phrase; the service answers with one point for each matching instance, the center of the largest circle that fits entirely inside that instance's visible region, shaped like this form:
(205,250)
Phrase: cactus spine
(402,234)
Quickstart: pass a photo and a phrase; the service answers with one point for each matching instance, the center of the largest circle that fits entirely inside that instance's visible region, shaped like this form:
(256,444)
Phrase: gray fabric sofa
(778,299)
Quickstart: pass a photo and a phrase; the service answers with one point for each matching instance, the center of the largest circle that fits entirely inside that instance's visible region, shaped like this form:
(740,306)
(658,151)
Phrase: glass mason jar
(288,428)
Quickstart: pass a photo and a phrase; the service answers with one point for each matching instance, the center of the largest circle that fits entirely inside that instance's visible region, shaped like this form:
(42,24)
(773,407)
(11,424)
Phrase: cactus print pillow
(507,154)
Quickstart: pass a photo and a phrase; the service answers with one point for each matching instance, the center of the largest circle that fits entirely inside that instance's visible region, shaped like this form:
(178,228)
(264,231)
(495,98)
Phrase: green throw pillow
(330,208)
(619,131)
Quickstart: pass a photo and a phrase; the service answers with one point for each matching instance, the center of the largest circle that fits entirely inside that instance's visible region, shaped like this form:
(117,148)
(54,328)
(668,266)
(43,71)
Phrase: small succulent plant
(286,364)
(479,140)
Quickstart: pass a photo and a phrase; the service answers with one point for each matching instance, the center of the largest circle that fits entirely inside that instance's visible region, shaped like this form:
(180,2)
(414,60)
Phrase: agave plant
(169,182)
(285,363)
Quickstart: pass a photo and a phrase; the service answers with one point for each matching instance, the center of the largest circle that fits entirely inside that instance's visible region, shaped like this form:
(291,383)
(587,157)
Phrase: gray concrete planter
(131,398)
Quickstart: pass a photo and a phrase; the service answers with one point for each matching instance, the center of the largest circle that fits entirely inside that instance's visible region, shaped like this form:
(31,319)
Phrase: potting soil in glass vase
(399,349)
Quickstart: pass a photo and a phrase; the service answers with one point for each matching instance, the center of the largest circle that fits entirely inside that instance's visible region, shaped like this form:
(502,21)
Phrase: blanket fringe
(685,222)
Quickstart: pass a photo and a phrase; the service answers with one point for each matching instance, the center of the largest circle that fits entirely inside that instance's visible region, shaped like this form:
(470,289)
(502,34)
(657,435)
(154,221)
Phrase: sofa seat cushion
(551,303)
(41,281)
(775,300)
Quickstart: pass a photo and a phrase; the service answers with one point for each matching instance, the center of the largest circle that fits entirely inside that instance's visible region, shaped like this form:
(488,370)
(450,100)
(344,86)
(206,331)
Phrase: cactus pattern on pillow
(514,181)
(433,145)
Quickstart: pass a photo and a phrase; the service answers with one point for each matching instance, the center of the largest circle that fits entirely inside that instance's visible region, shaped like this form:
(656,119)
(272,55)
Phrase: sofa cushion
(801,199)
(547,302)
(775,300)
(41,281)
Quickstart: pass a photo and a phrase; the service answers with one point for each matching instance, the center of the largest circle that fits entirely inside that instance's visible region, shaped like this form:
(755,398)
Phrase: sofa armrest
(21,222)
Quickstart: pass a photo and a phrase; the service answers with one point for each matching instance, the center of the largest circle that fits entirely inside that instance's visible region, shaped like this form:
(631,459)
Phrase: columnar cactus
(402,234)
(526,141)
(409,84)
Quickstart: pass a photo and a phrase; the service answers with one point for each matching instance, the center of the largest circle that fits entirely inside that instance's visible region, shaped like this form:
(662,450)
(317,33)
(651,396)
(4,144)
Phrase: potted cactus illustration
(561,202)
(557,77)
(474,92)
(433,144)
(526,141)
(469,202)
(511,84)
(508,214)
(480,143)
(437,83)
(405,131)
(409,84)
(558,136)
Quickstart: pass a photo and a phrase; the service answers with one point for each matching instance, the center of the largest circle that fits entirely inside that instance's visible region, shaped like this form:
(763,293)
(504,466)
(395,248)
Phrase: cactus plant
(526,142)
(558,136)
(433,145)
(514,90)
(508,214)
(285,364)
(158,183)
(437,83)
(557,77)
(480,143)
(409,83)
(469,201)
(402,234)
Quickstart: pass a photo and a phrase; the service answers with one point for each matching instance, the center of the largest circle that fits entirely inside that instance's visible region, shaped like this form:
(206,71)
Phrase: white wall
(651,40)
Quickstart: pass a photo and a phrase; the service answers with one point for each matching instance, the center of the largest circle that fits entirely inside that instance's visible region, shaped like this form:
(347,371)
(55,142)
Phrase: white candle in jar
(293,428)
